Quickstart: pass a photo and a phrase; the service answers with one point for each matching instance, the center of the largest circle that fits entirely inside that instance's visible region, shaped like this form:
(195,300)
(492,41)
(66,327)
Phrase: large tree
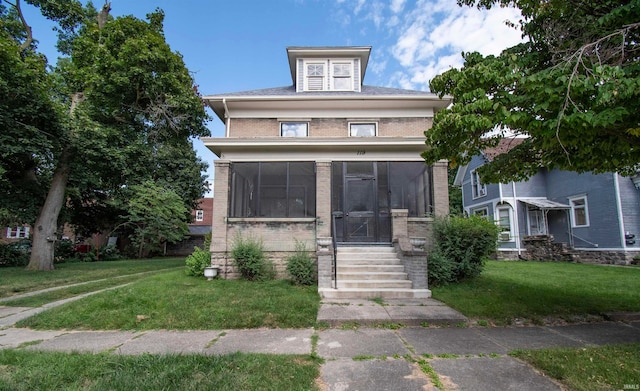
(120,96)
(572,89)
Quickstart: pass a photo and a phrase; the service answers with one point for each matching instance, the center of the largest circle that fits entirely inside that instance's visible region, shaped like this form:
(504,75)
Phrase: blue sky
(237,45)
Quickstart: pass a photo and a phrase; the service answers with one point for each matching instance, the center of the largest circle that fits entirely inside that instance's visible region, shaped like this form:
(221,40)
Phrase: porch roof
(544,203)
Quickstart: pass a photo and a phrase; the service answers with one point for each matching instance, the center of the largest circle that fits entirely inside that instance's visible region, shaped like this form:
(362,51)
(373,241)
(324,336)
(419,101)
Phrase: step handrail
(334,243)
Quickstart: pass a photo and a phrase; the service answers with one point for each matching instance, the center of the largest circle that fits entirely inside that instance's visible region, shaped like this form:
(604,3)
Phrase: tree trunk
(44,232)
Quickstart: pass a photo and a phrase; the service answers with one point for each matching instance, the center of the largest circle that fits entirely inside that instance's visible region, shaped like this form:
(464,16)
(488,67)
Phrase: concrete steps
(371,272)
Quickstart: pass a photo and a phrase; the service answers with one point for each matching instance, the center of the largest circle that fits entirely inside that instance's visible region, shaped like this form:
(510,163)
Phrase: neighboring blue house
(557,214)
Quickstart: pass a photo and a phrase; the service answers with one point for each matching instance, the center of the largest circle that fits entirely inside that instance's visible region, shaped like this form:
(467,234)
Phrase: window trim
(477,212)
(585,207)
(305,123)
(509,210)
(199,215)
(21,232)
(374,123)
(478,189)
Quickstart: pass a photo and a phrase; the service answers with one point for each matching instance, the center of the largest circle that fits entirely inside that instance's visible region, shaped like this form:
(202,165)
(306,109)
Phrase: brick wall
(330,127)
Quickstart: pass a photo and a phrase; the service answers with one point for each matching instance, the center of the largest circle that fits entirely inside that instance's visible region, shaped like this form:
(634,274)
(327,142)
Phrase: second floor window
(362,129)
(478,189)
(199,215)
(17,232)
(294,129)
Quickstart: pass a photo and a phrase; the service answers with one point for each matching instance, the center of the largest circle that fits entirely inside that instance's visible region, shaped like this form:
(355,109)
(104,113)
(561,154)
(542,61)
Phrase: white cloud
(426,37)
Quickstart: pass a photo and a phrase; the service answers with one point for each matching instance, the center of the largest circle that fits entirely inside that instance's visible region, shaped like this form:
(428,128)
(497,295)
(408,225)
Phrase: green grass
(17,280)
(172,300)
(64,293)
(534,290)
(25,370)
(599,368)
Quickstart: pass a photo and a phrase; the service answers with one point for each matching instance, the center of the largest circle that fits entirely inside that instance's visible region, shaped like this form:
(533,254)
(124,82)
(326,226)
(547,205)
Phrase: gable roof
(504,145)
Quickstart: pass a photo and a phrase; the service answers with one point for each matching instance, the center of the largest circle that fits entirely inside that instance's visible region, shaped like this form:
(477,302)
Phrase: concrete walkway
(464,358)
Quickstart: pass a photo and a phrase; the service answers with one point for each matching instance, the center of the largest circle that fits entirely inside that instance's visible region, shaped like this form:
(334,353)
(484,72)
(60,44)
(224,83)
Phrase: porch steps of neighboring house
(371,272)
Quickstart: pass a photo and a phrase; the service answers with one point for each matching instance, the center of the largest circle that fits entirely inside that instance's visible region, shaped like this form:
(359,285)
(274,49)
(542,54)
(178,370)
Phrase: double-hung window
(341,76)
(503,215)
(478,189)
(579,211)
(199,215)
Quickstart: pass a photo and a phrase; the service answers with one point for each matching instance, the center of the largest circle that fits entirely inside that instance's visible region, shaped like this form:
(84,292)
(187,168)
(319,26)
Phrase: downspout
(616,187)
(515,217)
(227,117)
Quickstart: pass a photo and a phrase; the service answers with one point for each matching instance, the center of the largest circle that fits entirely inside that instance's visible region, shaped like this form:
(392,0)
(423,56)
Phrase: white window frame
(478,189)
(482,212)
(375,128)
(17,232)
(334,76)
(575,208)
(329,77)
(296,132)
(323,77)
(199,215)
(502,227)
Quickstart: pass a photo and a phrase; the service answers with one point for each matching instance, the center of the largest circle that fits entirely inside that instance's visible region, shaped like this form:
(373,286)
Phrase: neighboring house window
(579,212)
(341,76)
(294,129)
(482,212)
(478,189)
(273,189)
(315,76)
(503,214)
(17,232)
(199,215)
(362,129)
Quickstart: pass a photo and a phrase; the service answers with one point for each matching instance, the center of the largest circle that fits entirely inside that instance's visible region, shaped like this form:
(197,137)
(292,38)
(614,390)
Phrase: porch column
(220,212)
(323,199)
(440,188)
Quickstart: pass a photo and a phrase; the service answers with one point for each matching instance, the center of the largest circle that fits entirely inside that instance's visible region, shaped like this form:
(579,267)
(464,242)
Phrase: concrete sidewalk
(359,359)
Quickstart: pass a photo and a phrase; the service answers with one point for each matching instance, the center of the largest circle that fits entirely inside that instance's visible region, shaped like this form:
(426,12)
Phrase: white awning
(544,203)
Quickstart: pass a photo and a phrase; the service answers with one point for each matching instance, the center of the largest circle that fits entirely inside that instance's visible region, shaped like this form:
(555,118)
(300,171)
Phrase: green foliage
(197,261)
(159,216)
(14,254)
(64,250)
(462,244)
(573,88)
(301,267)
(248,254)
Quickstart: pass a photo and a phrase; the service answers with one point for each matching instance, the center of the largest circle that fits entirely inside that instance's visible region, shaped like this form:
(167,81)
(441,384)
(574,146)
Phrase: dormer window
(329,75)
(315,76)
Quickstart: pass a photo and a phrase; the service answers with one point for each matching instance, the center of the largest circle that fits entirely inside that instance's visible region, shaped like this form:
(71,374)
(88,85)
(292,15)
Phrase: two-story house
(557,214)
(325,159)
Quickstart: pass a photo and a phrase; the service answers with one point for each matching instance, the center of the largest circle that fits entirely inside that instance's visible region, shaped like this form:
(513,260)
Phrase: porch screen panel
(411,187)
(273,189)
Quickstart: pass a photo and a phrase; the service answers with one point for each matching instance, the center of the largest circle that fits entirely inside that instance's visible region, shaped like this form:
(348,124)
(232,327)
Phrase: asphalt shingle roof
(291,91)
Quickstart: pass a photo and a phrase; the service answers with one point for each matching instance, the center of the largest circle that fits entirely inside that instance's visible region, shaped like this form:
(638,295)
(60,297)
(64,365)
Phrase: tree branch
(29,39)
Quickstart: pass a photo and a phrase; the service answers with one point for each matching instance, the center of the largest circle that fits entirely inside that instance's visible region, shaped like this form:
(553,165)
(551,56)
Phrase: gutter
(227,117)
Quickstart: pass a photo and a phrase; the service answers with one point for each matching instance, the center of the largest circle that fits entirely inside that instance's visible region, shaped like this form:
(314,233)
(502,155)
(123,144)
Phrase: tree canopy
(572,89)
(118,110)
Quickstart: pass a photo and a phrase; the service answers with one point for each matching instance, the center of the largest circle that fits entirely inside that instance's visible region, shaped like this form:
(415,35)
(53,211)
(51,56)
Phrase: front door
(361,203)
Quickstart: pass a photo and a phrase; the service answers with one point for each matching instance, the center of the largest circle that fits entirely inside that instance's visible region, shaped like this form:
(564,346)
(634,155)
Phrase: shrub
(64,251)
(197,261)
(109,253)
(461,246)
(248,254)
(14,254)
(301,267)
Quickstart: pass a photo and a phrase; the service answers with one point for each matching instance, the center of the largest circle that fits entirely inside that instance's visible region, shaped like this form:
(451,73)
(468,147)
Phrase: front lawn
(612,367)
(534,290)
(174,301)
(27,370)
(17,280)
